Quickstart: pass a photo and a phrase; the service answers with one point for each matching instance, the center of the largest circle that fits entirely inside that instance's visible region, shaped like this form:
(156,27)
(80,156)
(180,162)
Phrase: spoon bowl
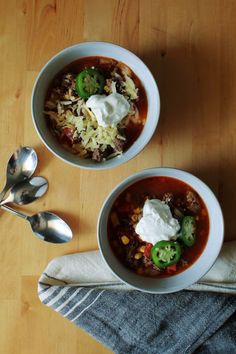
(21,166)
(27,191)
(46,226)
(49,227)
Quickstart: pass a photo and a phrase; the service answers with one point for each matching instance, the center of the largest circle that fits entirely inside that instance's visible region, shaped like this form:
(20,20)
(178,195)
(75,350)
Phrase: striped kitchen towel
(81,288)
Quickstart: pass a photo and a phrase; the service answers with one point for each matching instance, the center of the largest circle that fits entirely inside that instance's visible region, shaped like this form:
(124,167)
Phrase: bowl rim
(143,174)
(119,160)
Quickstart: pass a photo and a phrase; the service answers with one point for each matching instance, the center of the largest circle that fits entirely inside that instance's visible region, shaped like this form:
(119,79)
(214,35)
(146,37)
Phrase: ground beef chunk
(193,202)
(119,87)
(68,87)
(68,81)
(178,214)
(153,269)
(119,144)
(97,155)
(147,261)
(168,198)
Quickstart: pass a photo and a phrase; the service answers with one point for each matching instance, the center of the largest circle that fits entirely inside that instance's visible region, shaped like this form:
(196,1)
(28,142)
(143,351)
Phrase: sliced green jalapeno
(89,82)
(166,253)
(188,231)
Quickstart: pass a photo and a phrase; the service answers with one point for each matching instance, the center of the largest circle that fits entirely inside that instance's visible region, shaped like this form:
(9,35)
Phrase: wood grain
(190,47)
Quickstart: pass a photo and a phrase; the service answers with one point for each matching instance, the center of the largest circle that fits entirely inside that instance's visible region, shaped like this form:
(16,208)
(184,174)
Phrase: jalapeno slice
(166,253)
(89,82)
(188,231)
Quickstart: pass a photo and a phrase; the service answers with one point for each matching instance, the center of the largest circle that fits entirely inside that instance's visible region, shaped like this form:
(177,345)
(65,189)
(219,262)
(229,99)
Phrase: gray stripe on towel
(57,290)
(84,302)
(69,291)
(73,301)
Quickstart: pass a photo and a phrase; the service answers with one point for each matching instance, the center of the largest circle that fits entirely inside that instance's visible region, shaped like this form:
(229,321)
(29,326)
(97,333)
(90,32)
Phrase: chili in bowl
(160,230)
(95,105)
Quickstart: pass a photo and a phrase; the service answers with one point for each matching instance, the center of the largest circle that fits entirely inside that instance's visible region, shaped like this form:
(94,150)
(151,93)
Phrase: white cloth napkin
(88,269)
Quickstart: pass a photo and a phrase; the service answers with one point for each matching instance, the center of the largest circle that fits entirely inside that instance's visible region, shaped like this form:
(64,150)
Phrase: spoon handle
(4,191)
(13,211)
(5,201)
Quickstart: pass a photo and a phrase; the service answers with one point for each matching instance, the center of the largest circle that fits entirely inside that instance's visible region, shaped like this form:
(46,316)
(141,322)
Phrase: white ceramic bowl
(67,56)
(192,274)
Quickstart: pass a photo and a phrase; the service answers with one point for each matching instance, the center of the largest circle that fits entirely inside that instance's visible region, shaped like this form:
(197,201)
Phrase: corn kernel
(125,240)
(138,255)
(134,218)
(142,248)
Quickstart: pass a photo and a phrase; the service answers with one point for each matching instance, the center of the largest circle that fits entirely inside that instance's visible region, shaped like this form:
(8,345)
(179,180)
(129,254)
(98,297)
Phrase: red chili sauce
(127,210)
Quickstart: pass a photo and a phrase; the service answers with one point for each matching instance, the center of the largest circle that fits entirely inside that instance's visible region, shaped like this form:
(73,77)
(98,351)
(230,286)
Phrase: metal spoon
(27,191)
(46,226)
(21,165)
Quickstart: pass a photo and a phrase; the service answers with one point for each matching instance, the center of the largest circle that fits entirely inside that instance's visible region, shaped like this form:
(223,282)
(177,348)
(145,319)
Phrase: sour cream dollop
(108,110)
(157,222)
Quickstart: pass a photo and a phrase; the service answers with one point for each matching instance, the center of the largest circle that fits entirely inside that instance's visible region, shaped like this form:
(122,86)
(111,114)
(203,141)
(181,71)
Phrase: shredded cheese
(130,88)
(92,136)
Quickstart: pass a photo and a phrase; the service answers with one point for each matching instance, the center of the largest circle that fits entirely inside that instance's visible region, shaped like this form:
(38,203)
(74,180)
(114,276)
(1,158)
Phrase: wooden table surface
(190,48)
